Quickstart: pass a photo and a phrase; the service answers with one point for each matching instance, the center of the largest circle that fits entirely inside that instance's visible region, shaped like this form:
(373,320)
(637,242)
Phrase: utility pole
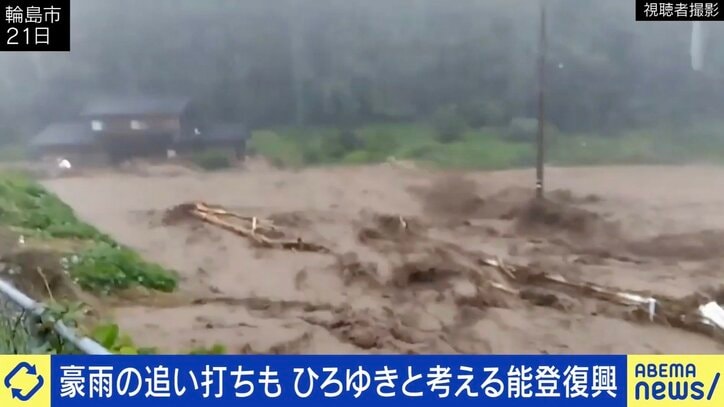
(697,46)
(541,106)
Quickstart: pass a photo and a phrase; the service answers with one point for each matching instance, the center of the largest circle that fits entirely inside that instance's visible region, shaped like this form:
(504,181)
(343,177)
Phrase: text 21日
(34,36)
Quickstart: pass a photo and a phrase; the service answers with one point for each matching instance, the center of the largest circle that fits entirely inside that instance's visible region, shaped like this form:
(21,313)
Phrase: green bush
(214,159)
(488,146)
(597,150)
(380,144)
(481,152)
(109,336)
(311,156)
(327,146)
(282,151)
(484,113)
(421,151)
(448,124)
(357,157)
(349,140)
(105,268)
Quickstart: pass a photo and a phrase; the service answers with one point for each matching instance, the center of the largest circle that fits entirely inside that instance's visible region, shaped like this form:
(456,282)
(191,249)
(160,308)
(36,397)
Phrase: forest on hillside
(346,63)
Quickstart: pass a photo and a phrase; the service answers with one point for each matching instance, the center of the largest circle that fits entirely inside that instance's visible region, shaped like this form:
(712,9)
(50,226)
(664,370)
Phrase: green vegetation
(213,350)
(449,124)
(20,334)
(103,265)
(99,265)
(212,159)
(702,143)
(26,205)
(110,337)
(15,339)
(483,148)
(486,147)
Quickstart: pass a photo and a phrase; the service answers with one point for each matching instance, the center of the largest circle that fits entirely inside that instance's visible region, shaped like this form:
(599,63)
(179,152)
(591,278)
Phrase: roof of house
(64,134)
(226,131)
(137,105)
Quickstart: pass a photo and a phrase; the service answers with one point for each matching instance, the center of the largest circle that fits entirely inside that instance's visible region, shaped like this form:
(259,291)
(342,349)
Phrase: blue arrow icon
(22,365)
(31,370)
(25,397)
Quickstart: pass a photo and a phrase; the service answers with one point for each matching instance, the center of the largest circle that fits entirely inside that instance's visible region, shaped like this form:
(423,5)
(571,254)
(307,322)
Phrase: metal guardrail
(21,317)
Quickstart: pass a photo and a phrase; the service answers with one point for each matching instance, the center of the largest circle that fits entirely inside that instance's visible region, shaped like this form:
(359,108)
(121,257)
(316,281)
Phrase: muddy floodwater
(405,272)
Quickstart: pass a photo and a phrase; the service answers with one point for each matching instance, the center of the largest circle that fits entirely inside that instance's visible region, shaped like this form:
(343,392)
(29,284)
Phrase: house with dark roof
(140,125)
(141,116)
(125,127)
(62,135)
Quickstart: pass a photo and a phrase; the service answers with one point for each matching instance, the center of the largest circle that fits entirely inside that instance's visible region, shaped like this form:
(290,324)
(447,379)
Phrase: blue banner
(176,380)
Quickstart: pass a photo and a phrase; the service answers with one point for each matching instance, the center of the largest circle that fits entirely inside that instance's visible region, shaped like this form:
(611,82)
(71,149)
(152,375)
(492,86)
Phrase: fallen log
(214,216)
(256,222)
(691,313)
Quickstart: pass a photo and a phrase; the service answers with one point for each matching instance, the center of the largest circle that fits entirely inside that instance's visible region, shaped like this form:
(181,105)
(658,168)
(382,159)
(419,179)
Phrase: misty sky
(275,62)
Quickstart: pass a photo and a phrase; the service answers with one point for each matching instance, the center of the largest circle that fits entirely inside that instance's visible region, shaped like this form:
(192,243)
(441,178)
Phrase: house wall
(121,141)
(122,147)
(150,124)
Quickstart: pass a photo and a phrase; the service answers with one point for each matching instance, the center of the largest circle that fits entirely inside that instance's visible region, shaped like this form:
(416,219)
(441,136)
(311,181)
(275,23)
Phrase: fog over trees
(332,62)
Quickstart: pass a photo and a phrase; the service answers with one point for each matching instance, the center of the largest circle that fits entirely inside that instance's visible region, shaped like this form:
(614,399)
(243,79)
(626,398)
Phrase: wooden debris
(403,223)
(219,211)
(680,313)
(507,270)
(215,216)
(504,288)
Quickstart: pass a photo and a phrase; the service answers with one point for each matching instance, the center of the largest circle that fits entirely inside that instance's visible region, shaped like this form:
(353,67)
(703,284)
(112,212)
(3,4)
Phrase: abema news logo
(675,380)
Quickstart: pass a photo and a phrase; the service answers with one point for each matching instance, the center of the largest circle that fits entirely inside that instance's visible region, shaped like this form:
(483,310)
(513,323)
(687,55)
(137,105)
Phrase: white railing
(20,311)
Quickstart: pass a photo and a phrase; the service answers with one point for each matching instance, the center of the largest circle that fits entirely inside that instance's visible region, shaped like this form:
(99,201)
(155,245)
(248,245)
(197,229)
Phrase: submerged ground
(404,272)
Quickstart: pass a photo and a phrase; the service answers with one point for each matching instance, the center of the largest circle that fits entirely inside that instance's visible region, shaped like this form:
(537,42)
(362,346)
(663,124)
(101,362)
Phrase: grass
(482,148)
(27,206)
(15,339)
(15,330)
(103,266)
(100,264)
(487,147)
